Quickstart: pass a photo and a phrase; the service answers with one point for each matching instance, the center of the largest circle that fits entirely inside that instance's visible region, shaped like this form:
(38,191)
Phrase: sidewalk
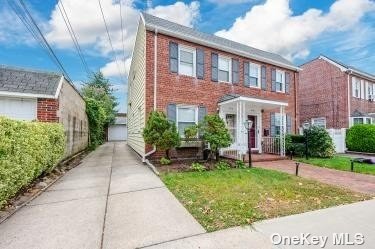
(111,200)
(353,181)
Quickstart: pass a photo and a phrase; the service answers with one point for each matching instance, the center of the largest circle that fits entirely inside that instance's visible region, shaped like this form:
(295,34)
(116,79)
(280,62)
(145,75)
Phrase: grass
(221,199)
(340,163)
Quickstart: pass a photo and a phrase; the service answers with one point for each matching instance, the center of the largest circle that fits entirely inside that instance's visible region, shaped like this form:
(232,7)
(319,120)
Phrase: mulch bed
(39,185)
(179,165)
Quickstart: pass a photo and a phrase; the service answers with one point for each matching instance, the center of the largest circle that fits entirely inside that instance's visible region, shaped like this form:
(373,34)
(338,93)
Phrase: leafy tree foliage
(361,137)
(161,133)
(215,133)
(320,144)
(100,106)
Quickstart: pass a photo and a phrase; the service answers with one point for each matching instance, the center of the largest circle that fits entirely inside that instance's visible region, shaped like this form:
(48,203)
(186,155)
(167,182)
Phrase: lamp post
(306,127)
(248,124)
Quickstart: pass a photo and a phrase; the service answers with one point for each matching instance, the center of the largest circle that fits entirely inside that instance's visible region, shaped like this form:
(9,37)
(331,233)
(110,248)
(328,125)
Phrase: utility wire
(122,33)
(72,35)
(110,41)
(40,34)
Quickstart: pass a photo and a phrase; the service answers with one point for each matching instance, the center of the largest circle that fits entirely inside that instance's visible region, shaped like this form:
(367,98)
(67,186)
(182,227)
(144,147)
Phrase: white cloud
(111,69)
(273,27)
(222,2)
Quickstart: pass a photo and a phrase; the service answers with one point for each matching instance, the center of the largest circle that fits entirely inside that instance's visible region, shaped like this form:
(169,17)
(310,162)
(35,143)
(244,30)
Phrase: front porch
(267,135)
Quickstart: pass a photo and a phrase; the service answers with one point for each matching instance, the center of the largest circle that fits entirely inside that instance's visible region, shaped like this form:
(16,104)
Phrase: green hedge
(27,149)
(361,138)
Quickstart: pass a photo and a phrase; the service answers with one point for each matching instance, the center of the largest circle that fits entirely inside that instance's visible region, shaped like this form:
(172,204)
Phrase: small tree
(161,133)
(215,133)
(320,144)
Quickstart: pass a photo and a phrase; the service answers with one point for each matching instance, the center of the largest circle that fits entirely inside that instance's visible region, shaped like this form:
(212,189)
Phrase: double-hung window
(319,122)
(254,74)
(370,91)
(280,81)
(186,116)
(225,69)
(186,60)
(356,87)
(362,120)
(278,126)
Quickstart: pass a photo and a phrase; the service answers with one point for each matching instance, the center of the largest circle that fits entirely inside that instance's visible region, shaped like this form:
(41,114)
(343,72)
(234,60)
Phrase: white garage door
(117,133)
(18,108)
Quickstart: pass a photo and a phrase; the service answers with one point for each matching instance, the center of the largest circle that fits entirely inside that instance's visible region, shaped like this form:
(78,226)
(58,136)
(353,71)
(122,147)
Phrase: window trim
(283,83)
(186,106)
(259,75)
(230,69)
(190,50)
(364,120)
(313,121)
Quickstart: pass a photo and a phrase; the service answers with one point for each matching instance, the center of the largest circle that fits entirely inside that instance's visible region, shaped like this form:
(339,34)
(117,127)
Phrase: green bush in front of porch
(361,138)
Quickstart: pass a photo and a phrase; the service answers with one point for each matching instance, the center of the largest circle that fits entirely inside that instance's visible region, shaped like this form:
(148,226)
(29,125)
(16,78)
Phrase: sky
(299,30)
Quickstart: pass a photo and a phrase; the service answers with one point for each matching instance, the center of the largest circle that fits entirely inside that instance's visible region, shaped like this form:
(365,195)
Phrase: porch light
(306,125)
(248,124)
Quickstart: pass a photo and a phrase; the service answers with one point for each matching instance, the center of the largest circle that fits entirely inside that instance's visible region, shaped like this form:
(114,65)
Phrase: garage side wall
(72,114)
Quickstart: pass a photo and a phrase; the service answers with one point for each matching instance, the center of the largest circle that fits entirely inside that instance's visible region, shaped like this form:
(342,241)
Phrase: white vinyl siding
(254,75)
(280,81)
(225,69)
(186,60)
(18,108)
(136,93)
(186,116)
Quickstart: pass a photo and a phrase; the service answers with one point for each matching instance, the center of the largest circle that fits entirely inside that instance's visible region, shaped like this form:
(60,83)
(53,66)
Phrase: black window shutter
(263,78)
(288,124)
(287,82)
(173,57)
(171,113)
(235,70)
(273,88)
(273,123)
(200,63)
(214,67)
(202,112)
(246,78)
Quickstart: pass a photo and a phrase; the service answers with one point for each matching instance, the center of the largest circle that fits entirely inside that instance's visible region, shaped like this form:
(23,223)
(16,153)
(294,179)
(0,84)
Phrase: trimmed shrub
(295,144)
(27,149)
(361,138)
(320,144)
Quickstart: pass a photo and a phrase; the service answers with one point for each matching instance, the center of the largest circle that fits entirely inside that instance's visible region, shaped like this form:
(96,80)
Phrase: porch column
(282,130)
(238,122)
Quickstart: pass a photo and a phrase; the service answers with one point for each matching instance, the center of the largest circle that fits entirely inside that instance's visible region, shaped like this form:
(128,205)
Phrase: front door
(253,129)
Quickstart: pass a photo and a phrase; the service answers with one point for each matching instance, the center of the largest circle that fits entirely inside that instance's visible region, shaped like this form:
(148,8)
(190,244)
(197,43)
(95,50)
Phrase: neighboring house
(188,74)
(46,97)
(118,131)
(335,95)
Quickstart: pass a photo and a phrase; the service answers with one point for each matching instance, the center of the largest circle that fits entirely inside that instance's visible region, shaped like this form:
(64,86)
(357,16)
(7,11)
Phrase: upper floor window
(225,69)
(280,81)
(186,116)
(254,74)
(356,83)
(186,61)
(370,91)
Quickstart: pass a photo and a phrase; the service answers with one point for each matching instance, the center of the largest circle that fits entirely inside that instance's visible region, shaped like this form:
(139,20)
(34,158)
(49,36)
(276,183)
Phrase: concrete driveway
(111,200)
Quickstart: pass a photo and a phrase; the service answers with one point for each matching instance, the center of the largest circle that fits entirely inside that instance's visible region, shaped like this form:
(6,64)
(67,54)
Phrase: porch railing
(271,145)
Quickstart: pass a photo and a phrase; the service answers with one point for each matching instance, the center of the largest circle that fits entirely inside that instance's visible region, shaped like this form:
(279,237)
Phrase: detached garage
(118,131)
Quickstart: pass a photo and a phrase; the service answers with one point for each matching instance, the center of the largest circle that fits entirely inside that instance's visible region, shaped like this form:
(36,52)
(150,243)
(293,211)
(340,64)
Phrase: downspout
(155,82)
(295,103)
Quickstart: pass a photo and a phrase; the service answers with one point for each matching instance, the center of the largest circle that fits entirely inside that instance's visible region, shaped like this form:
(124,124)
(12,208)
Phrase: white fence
(338,138)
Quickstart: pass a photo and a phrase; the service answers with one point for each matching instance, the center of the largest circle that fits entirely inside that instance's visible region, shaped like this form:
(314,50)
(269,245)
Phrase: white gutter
(155,84)
(26,95)
(223,48)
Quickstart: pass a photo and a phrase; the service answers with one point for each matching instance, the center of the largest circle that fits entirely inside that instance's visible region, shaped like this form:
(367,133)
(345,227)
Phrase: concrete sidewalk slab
(71,225)
(146,217)
(234,238)
(353,218)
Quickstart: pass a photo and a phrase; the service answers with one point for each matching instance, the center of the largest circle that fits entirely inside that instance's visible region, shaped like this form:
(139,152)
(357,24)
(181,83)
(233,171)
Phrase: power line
(110,41)
(72,35)
(43,39)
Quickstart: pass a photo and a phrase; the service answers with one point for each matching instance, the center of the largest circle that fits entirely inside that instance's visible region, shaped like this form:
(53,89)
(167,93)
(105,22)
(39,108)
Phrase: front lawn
(340,163)
(221,199)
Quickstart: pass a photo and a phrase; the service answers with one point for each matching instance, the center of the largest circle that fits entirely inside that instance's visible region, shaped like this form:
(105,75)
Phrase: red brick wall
(180,89)
(47,110)
(323,93)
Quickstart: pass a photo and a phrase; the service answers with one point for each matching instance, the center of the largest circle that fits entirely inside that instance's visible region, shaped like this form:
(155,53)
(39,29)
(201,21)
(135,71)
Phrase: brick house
(188,74)
(46,97)
(335,95)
